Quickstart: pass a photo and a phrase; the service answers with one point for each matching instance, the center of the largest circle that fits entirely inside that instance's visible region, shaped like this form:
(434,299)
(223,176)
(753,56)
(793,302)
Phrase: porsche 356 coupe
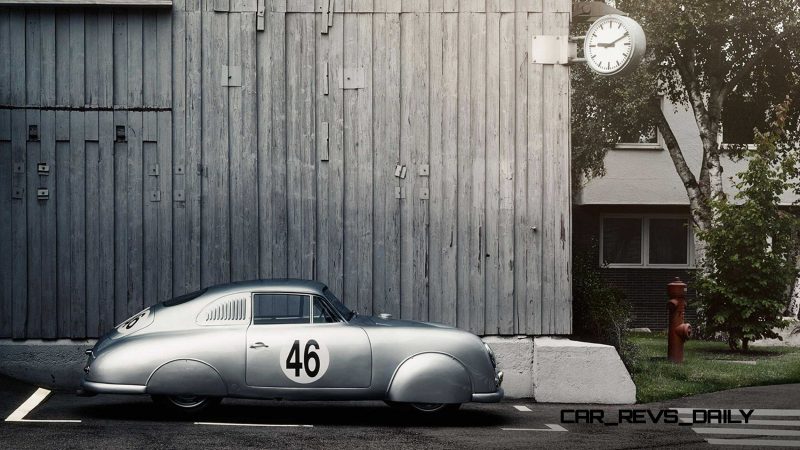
(287,339)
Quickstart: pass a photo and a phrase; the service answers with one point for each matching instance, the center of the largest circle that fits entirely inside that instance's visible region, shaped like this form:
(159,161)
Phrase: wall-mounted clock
(614,45)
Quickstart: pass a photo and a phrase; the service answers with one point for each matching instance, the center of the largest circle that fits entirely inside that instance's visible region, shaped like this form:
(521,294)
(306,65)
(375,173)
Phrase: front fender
(430,378)
(186,376)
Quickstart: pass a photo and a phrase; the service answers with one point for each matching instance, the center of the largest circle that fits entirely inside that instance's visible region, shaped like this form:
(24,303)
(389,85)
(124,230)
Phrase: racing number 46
(293,360)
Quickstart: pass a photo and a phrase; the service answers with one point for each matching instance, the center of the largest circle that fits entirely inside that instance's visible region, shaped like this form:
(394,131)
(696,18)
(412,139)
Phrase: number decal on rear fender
(304,361)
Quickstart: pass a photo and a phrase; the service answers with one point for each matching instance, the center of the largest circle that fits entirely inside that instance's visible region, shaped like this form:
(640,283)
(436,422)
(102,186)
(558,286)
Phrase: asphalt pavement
(37,418)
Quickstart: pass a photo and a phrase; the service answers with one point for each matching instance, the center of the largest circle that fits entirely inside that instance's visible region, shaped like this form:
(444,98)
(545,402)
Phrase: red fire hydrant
(679,331)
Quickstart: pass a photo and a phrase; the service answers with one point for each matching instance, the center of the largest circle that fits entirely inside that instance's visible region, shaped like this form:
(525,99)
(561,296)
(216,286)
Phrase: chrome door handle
(259,344)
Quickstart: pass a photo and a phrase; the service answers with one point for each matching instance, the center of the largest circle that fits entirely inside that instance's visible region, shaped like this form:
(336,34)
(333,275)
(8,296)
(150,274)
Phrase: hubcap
(428,407)
(187,401)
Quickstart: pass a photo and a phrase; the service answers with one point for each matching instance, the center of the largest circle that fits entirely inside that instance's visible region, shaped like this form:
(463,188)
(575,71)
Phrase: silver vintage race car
(287,339)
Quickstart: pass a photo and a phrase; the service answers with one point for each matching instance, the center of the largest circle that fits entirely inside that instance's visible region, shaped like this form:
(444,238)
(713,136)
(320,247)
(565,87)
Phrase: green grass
(704,368)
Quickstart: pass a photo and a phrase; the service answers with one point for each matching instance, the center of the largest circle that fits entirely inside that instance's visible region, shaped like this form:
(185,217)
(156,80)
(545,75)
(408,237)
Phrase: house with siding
(636,217)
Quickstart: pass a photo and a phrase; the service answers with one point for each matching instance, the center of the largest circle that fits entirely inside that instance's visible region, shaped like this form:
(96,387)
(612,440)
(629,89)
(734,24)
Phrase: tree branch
(748,67)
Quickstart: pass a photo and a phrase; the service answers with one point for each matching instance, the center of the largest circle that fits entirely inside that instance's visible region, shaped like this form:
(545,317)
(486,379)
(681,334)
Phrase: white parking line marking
(770,422)
(756,412)
(747,431)
(28,405)
(291,425)
(754,442)
(550,427)
(522,408)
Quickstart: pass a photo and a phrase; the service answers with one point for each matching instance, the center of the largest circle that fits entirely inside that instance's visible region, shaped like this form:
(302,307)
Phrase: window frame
(645,243)
(658,145)
(338,318)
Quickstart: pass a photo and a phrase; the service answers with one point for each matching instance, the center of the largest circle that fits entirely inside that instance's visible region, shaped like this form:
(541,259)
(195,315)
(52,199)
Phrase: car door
(297,340)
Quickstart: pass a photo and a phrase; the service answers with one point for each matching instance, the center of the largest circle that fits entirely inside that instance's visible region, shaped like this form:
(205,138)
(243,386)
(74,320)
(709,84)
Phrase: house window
(643,135)
(645,241)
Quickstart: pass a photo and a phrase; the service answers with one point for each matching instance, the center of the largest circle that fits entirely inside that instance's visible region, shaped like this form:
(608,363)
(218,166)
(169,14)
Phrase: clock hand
(612,43)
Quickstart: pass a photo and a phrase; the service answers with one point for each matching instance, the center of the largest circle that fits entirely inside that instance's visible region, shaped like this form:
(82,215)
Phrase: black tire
(187,404)
(427,408)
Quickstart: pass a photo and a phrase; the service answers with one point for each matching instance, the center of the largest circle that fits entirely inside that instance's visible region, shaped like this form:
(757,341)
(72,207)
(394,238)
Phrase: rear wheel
(189,404)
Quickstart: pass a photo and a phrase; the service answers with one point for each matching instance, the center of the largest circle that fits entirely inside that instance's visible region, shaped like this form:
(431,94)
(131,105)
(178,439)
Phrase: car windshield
(343,310)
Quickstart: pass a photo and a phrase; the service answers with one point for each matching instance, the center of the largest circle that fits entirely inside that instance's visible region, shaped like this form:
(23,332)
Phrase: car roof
(271,285)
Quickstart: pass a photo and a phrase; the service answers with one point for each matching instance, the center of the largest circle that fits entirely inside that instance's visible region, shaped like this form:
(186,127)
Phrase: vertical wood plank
(16,40)
(386,210)
(300,140)
(151,259)
(237,175)
(193,169)
(48,60)
(449,181)
(164,263)
(215,232)
(49,220)
(120,57)
(278,151)
(264,55)
(33,328)
(150,62)
(33,57)
(77,193)
(61,171)
(508,97)
(92,64)
(93,214)
(6,246)
(121,215)
(492,174)
(414,150)
(180,219)
(437,75)
(464,163)
(135,198)
(19,231)
(62,72)
(107,211)
(477,241)
(105,58)
(164,44)
(522,226)
(133,68)
(77,58)
(535,240)
(335,166)
(5,69)
(350,224)
(364,163)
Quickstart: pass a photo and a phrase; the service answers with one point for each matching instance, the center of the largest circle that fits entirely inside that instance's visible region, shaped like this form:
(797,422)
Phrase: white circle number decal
(304,361)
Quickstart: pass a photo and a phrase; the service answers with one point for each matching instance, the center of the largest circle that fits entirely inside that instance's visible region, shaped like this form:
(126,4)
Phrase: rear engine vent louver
(229,310)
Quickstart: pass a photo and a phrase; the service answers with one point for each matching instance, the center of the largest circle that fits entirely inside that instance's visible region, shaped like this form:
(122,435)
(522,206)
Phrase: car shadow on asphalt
(312,413)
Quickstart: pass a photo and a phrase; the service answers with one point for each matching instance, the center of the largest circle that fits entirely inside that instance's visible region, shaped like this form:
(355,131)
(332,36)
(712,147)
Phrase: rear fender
(186,376)
(430,378)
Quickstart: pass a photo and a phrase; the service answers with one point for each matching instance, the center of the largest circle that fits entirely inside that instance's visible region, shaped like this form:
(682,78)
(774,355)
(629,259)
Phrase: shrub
(601,313)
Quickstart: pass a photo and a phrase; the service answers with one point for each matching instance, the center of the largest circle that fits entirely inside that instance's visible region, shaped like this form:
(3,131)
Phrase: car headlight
(491,354)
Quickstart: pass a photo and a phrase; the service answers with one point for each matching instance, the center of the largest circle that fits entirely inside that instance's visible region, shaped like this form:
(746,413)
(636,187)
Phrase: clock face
(613,44)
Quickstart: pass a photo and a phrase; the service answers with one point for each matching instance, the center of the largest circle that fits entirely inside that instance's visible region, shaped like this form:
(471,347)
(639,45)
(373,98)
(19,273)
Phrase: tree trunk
(794,300)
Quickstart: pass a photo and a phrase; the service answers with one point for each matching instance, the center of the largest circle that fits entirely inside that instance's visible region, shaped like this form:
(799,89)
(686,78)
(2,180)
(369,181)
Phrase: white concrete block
(566,371)
(514,355)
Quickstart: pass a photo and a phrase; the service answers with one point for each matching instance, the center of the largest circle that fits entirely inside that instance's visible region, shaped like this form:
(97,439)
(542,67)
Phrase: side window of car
(322,314)
(278,309)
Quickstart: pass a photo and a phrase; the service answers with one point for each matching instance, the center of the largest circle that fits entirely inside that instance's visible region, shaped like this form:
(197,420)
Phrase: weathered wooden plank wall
(405,153)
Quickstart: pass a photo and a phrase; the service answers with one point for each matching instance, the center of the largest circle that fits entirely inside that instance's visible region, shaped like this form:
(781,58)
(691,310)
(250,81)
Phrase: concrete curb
(55,365)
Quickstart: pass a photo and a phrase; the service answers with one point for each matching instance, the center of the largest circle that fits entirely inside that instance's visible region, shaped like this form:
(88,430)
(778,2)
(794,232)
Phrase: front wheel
(188,404)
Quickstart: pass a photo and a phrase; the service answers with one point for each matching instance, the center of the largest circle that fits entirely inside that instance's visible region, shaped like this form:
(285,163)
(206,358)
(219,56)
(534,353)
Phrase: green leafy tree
(751,244)
(702,54)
